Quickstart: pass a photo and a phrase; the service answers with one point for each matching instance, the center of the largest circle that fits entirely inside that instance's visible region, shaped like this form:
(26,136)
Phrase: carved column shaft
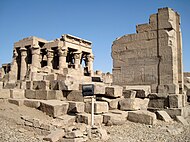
(90,59)
(35,56)
(50,58)
(62,58)
(77,57)
(23,63)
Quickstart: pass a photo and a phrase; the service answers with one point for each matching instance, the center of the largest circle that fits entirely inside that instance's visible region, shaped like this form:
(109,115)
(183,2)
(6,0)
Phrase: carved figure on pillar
(50,58)
(77,57)
(23,63)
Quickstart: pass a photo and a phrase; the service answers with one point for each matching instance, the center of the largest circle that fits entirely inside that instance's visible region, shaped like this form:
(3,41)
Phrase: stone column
(35,56)
(62,58)
(50,58)
(90,59)
(77,57)
(14,67)
(23,66)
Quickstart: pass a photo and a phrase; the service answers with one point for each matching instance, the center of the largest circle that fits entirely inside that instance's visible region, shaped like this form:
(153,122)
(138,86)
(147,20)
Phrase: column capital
(35,50)
(15,54)
(77,55)
(90,57)
(62,52)
(50,53)
(23,51)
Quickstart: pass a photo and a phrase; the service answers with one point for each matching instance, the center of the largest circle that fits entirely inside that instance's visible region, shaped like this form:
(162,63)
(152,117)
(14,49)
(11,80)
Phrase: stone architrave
(50,58)
(62,58)
(35,56)
(23,63)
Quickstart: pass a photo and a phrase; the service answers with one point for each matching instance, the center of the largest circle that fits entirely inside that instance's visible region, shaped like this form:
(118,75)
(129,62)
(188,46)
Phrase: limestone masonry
(152,56)
(147,84)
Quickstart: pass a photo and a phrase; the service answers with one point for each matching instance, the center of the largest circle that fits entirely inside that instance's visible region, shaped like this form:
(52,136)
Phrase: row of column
(62,52)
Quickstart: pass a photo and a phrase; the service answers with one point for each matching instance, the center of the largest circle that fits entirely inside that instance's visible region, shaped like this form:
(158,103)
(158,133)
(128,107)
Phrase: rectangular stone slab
(54,108)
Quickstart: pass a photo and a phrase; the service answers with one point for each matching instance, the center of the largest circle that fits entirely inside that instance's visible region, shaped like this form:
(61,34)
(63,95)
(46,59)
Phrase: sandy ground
(11,129)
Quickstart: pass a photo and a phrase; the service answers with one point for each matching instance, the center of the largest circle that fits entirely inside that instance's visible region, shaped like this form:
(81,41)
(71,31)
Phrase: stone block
(9,85)
(23,85)
(113,103)
(41,85)
(37,76)
(30,94)
(142,91)
(55,94)
(99,107)
(18,102)
(86,118)
(114,118)
(76,107)
(142,116)
(129,94)
(99,88)
(163,115)
(64,120)
(159,100)
(175,101)
(72,140)
(29,84)
(173,112)
(55,135)
(32,103)
(75,96)
(41,94)
(74,134)
(133,104)
(114,91)
(181,120)
(17,93)
(4,93)
(50,77)
(54,108)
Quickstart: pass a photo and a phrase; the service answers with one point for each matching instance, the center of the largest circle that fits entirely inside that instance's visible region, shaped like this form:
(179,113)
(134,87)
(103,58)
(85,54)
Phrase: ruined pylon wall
(152,56)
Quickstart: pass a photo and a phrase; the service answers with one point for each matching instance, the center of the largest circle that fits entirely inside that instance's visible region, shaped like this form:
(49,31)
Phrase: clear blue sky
(100,21)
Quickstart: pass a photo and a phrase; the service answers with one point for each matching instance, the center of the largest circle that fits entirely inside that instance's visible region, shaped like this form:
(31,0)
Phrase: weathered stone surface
(17,93)
(181,120)
(86,118)
(4,93)
(41,94)
(175,101)
(129,94)
(9,85)
(55,135)
(99,107)
(162,115)
(114,119)
(74,134)
(75,96)
(99,134)
(55,94)
(136,57)
(142,116)
(112,103)
(41,85)
(158,100)
(18,102)
(133,104)
(50,77)
(30,94)
(76,107)
(173,112)
(29,84)
(63,121)
(72,140)
(114,91)
(141,91)
(54,108)
(32,103)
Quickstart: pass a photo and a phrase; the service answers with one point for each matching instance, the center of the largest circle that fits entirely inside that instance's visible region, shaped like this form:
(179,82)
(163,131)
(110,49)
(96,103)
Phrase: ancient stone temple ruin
(152,56)
(147,81)
(33,55)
